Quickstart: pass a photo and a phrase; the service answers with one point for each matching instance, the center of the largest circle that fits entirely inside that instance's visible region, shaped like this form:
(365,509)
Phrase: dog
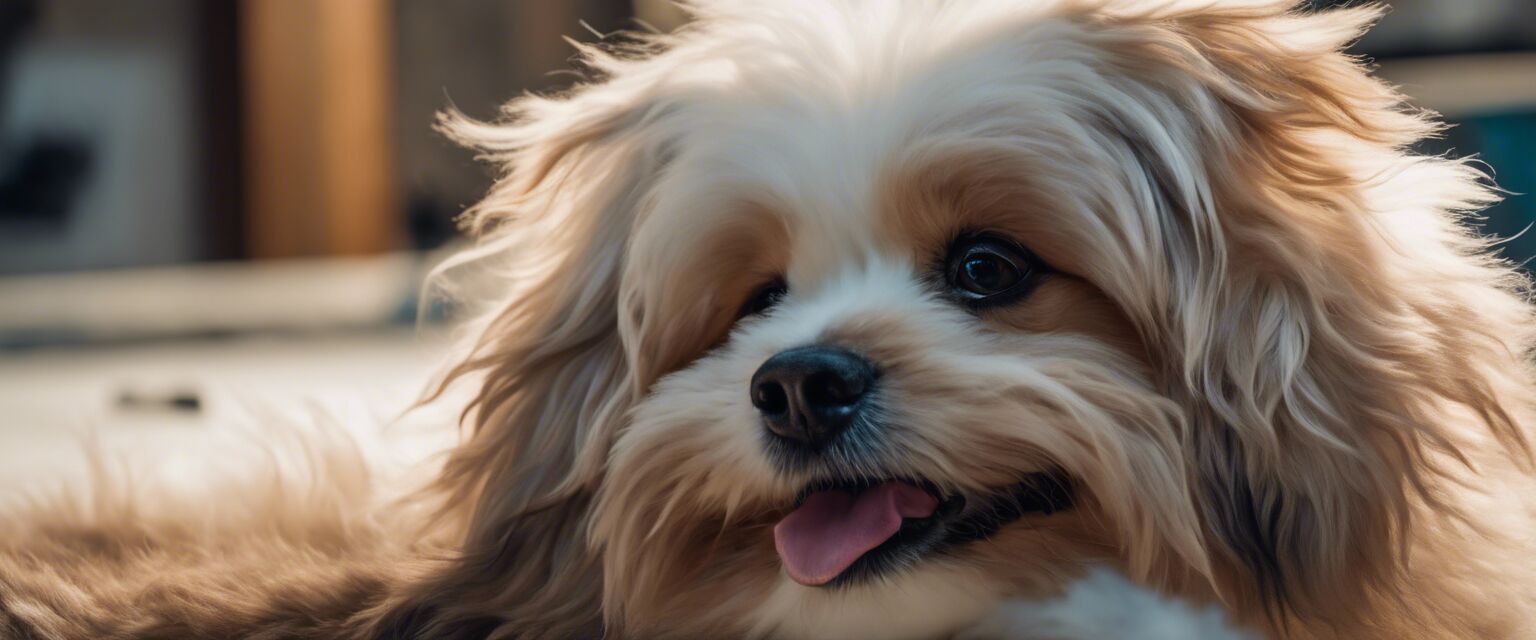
(885,319)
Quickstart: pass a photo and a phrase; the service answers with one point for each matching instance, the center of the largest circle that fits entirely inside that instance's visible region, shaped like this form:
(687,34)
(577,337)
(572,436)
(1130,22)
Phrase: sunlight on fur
(908,320)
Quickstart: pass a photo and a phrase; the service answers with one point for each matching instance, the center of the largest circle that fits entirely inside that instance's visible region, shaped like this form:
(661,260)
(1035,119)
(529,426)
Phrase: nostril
(770,398)
(829,389)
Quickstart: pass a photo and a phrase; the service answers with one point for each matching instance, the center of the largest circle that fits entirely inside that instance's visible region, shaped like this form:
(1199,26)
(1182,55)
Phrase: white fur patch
(1104,605)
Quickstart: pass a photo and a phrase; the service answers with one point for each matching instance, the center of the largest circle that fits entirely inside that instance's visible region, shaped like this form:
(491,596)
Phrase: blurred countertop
(165,361)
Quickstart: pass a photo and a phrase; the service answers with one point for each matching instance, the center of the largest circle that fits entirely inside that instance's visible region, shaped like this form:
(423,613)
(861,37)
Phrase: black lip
(957,521)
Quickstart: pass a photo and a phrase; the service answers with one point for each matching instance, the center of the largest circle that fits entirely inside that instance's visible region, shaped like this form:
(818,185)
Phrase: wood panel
(320,161)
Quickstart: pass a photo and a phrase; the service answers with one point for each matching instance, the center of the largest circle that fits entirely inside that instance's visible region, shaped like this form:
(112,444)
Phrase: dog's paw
(1105,606)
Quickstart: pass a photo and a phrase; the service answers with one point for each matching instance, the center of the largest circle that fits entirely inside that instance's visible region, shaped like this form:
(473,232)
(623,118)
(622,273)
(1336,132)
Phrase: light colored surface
(53,402)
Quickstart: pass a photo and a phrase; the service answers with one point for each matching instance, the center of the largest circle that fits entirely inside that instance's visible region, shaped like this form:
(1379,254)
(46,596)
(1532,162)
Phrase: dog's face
(911,390)
(856,319)
(902,373)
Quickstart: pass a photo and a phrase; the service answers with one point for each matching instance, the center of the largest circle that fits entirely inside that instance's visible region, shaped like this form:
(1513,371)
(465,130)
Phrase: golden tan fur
(1284,378)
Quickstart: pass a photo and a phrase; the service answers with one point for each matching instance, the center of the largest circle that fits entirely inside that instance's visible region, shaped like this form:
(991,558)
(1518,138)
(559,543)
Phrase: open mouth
(843,532)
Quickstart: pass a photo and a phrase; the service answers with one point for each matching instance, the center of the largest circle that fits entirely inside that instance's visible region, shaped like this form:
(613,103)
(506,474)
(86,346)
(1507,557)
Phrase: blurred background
(201,199)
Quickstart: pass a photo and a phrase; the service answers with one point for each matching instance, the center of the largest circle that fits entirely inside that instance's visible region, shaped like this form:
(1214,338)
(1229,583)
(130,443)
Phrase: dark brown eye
(986,270)
(764,299)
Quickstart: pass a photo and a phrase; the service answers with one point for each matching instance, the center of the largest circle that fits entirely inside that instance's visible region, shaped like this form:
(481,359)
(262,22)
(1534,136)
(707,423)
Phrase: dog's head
(848,318)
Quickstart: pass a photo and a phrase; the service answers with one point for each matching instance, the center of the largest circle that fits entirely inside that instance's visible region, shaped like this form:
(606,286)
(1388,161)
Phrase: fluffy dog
(863,319)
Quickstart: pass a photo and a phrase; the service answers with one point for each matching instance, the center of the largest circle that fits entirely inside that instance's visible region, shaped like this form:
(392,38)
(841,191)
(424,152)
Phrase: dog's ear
(554,381)
(1337,336)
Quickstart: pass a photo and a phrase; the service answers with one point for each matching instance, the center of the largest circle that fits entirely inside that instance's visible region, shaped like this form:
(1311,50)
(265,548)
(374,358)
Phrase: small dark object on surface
(179,401)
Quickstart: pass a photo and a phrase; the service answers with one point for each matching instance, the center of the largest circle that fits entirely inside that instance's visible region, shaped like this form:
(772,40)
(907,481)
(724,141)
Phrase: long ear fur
(554,381)
(1339,339)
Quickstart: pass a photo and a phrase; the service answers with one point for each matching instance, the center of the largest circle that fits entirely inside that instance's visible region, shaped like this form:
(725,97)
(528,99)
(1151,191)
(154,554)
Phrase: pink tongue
(831,529)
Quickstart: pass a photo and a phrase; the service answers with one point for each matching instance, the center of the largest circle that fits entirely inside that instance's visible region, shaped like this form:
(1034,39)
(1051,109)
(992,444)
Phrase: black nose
(811,394)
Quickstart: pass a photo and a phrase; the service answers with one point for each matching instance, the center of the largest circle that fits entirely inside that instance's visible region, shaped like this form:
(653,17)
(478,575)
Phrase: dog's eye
(764,299)
(986,270)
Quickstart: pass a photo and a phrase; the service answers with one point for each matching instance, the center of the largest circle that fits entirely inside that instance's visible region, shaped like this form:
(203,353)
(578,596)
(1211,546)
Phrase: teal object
(1507,142)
